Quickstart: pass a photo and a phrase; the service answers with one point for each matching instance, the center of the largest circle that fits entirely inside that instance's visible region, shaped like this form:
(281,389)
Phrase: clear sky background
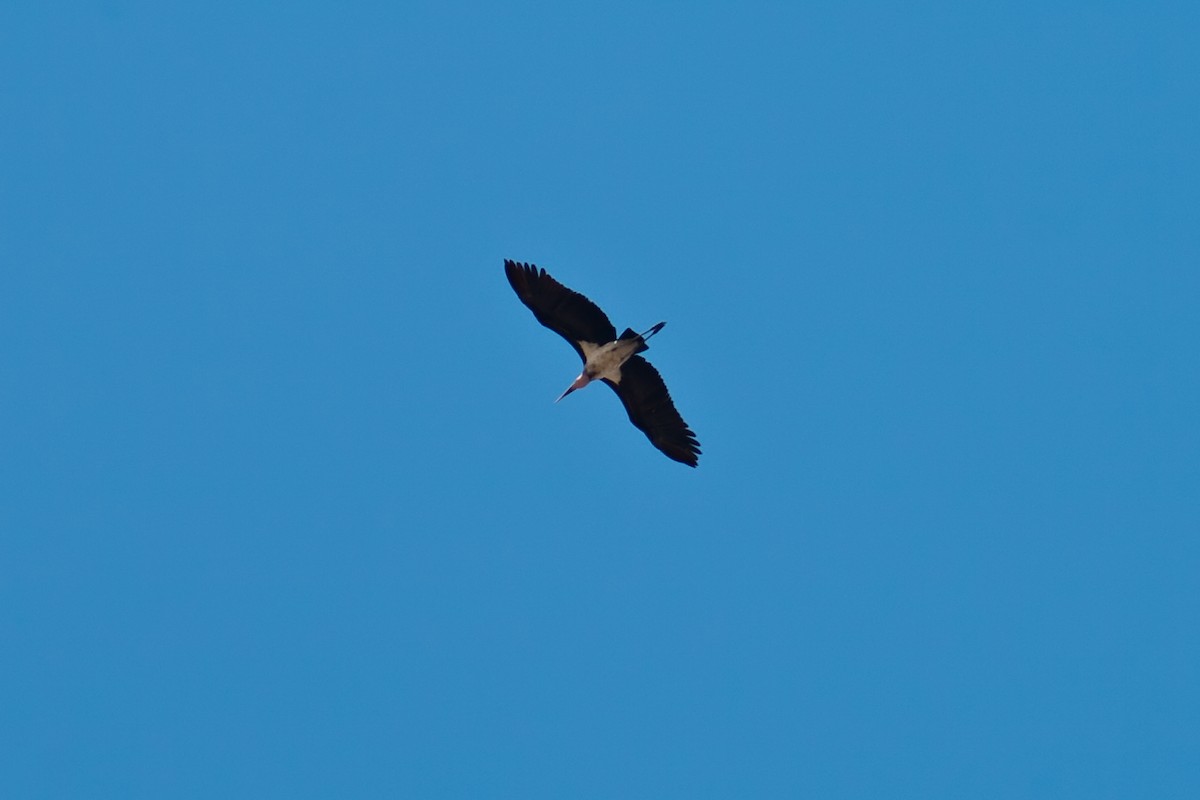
(288,510)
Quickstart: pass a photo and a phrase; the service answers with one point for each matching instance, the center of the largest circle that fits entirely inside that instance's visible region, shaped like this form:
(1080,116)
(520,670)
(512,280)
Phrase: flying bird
(611,358)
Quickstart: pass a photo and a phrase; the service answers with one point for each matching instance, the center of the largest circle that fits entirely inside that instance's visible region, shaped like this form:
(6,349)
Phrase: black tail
(642,347)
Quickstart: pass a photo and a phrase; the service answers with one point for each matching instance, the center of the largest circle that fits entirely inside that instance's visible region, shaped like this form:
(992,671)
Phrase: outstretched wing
(567,313)
(649,406)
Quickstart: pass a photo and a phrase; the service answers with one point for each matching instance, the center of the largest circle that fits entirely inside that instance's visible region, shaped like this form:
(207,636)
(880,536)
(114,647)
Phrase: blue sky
(288,510)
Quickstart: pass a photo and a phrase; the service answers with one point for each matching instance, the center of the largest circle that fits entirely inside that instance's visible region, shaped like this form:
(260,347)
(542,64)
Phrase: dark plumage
(615,361)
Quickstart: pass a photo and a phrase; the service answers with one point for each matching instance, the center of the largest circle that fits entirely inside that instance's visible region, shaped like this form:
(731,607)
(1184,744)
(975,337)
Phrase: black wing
(567,313)
(649,406)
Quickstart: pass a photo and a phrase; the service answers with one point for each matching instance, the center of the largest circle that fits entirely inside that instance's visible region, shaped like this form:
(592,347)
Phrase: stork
(611,358)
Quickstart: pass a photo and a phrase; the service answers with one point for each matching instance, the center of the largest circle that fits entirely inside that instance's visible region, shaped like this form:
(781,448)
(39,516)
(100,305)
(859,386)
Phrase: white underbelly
(603,361)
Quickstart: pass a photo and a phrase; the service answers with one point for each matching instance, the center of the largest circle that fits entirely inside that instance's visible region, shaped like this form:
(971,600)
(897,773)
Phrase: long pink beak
(580,382)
